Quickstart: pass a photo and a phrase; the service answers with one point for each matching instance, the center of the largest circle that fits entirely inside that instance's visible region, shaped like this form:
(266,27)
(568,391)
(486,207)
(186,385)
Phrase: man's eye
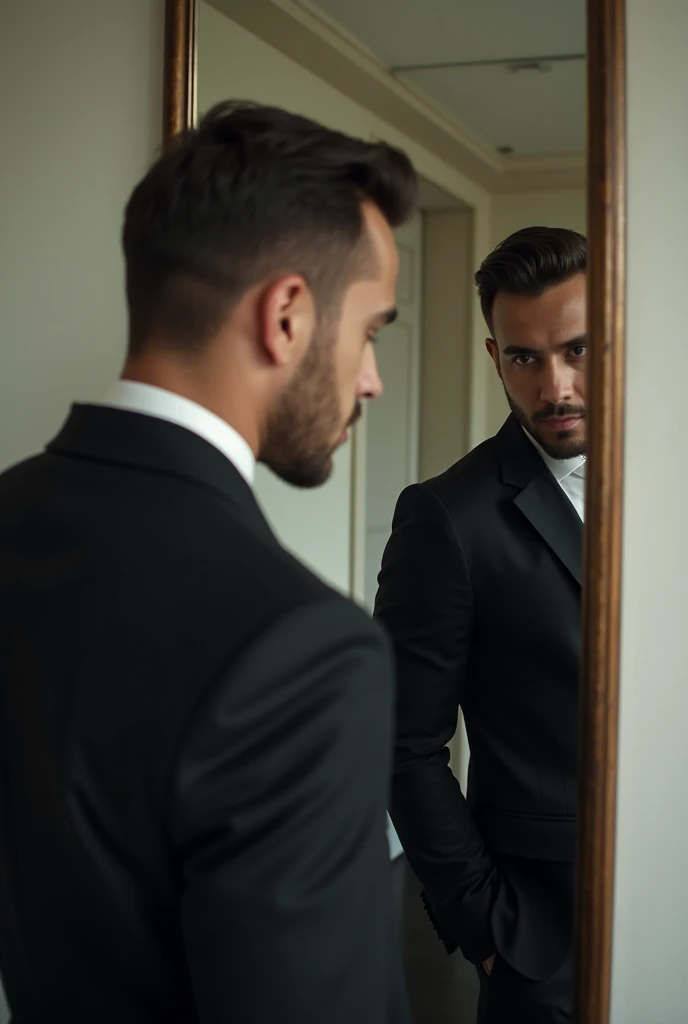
(579,351)
(523,360)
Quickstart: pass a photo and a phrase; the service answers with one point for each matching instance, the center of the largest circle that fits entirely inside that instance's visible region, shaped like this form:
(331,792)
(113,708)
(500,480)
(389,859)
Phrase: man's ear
(493,349)
(287,320)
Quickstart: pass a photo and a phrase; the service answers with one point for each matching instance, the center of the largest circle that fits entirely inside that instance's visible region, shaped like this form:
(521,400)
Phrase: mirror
(490,101)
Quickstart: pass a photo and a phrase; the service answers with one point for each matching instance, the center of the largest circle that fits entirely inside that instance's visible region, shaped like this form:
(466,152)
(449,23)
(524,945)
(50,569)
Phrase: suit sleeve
(425,602)
(278,820)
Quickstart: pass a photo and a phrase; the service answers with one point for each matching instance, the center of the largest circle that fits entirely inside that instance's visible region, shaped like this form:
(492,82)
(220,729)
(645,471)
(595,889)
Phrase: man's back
(196,736)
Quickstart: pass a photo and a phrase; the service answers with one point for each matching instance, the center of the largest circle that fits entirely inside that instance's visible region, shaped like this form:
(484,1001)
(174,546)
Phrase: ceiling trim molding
(545,180)
(311,38)
(542,174)
(457,65)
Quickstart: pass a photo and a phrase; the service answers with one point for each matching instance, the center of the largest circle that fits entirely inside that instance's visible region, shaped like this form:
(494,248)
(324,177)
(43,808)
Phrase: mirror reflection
(196,817)
(465,480)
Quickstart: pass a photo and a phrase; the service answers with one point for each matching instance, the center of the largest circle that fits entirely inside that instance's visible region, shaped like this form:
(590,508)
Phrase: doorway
(421,424)
(392,428)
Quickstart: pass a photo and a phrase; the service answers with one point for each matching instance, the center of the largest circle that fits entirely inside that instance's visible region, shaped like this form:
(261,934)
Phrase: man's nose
(557,384)
(369,382)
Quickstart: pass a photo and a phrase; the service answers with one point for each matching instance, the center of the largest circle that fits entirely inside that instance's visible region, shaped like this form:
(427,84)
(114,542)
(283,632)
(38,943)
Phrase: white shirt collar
(166,405)
(560,468)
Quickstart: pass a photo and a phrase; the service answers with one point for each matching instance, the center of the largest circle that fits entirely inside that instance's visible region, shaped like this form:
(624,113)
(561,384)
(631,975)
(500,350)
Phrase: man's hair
(528,263)
(252,192)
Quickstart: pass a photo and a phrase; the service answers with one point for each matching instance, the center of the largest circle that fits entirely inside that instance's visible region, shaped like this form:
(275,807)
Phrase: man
(480,591)
(196,732)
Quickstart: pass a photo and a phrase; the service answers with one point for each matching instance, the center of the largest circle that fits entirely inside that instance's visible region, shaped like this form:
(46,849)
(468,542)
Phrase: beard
(305,426)
(565,444)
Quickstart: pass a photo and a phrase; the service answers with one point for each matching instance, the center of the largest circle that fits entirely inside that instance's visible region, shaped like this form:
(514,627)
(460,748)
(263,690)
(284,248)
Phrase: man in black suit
(480,591)
(196,733)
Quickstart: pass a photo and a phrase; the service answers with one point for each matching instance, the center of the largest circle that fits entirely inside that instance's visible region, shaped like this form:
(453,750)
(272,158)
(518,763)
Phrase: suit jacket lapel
(540,498)
(555,519)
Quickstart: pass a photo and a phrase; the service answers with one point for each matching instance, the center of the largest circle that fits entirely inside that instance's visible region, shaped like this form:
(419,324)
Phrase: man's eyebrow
(520,350)
(582,339)
(526,350)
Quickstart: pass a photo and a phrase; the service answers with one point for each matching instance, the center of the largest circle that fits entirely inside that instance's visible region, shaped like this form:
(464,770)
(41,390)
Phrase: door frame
(359,466)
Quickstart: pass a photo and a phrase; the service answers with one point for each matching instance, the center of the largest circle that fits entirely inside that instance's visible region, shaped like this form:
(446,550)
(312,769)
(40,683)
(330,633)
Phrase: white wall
(557,208)
(447,339)
(81,85)
(234,63)
(649,982)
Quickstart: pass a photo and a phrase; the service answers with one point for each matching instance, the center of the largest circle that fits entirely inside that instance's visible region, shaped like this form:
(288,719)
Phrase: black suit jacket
(195,739)
(480,591)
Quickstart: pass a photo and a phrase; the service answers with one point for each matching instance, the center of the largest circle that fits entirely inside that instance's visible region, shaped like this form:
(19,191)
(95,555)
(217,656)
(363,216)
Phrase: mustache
(551,411)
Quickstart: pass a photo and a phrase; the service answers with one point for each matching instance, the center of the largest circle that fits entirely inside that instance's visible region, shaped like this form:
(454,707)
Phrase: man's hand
(488,965)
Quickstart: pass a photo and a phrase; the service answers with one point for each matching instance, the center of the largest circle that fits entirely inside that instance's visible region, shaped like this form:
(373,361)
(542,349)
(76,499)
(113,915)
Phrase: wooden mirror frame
(606,197)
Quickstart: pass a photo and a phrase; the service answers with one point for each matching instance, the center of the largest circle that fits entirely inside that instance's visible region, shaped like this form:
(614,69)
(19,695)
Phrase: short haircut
(528,263)
(252,192)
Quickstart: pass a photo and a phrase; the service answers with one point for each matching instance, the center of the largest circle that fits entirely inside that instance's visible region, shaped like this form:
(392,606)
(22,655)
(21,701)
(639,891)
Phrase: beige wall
(649,977)
(447,339)
(81,108)
(563,208)
(81,101)
(81,93)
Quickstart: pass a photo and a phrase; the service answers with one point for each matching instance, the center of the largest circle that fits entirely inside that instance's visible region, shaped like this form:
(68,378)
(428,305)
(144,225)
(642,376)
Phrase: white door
(387,448)
(391,429)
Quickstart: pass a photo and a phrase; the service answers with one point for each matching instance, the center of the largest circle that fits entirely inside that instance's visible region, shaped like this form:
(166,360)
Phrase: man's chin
(305,476)
(566,444)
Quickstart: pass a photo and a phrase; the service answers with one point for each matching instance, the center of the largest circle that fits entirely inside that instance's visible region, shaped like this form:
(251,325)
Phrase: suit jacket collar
(539,497)
(119,437)
(134,396)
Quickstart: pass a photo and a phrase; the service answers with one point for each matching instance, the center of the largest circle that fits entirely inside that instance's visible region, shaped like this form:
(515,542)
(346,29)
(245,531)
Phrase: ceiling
(526,110)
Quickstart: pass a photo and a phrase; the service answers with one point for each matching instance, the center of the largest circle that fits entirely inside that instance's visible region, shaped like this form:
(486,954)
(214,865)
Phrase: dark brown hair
(528,263)
(252,191)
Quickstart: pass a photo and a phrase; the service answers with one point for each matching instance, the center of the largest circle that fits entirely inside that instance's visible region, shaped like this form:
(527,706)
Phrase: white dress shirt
(569,474)
(165,405)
